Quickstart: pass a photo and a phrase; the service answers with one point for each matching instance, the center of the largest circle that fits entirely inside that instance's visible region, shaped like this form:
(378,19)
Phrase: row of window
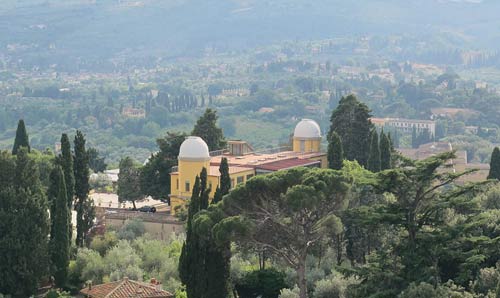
(239,179)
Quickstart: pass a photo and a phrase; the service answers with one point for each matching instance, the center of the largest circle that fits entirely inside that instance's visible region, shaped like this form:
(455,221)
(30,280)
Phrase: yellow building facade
(244,163)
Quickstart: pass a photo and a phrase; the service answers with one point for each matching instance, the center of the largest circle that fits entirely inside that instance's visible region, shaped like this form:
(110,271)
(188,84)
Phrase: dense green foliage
(206,128)
(350,120)
(96,162)
(129,181)
(495,165)
(203,265)
(24,226)
(83,206)
(266,283)
(66,162)
(21,139)
(385,152)
(302,208)
(155,174)
(374,162)
(60,225)
(225,180)
(335,152)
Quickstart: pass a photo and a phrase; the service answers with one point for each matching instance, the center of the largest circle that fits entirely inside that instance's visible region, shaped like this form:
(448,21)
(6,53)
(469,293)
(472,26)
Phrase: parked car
(147,209)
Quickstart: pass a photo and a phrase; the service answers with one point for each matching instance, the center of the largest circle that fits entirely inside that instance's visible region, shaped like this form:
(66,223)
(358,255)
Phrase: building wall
(160,231)
(310,145)
(190,171)
(324,161)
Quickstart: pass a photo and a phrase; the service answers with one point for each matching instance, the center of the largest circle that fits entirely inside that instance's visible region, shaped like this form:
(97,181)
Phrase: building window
(210,185)
(177,183)
(232,183)
(239,179)
(249,176)
(188,187)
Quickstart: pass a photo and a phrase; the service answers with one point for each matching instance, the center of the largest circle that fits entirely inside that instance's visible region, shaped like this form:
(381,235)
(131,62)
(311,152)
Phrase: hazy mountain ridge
(108,27)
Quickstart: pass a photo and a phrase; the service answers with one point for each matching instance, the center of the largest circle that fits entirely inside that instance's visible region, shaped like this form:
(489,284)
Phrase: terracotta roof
(287,164)
(126,289)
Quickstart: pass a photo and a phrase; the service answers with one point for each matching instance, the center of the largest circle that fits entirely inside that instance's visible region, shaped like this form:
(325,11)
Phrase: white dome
(194,148)
(307,128)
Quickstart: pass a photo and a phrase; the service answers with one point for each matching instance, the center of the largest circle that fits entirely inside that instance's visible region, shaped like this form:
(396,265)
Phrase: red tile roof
(125,289)
(287,164)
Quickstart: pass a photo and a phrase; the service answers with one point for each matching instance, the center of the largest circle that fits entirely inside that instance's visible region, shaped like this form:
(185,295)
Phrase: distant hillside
(101,28)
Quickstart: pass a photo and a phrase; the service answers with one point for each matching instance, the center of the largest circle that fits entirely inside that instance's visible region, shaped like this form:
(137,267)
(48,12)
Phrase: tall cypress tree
(66,161)
(189,269)
(374,157)
(495,164)
(24,227)
(84,208)
(385,152)
(225,179)
(217,257)
(204,190)
(21,139)
(203,265)
(414,138)
(59,236)
(351,121)
(335,152)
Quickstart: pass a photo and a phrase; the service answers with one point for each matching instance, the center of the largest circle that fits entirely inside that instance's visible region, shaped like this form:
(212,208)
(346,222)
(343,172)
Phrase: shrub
(132,229)
(334,286)
(265,283)
(102,243)
(290,293)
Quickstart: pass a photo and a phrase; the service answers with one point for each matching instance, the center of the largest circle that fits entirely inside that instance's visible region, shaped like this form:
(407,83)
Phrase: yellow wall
(310,145)
(243,175)
(188,170)
(178,196)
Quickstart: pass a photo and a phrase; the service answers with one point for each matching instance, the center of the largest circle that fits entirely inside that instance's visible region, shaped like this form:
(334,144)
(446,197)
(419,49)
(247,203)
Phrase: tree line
(36,237)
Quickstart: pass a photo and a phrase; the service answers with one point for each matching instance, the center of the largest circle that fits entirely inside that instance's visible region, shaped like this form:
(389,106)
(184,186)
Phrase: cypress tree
(66,161)
(414,138)
(374,157)
(59,236)
(204,191)
(24,227)
(351,121)
(217,257)
(189,269)
(21,139)
(225,179)
(83,206)
(335,152)
(495,164)
(217,195)
(203,265)
(385,152)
